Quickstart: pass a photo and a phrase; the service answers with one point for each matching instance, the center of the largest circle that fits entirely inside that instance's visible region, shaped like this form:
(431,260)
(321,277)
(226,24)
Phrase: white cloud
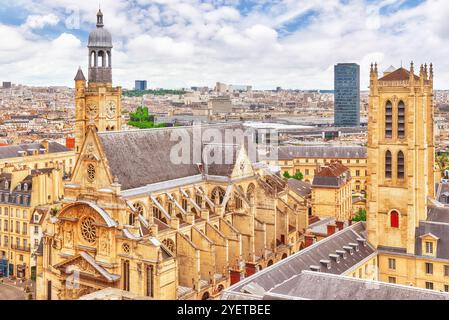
(40,21)
(193,42)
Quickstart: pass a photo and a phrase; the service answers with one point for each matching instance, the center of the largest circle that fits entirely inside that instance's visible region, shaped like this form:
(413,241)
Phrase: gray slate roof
(438,225)
(300,187)
(322,286)
(13,151)
(325,152)
(270,277)
(141,157)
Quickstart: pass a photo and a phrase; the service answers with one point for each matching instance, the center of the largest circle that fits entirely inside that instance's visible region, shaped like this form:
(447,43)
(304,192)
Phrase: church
(134,220)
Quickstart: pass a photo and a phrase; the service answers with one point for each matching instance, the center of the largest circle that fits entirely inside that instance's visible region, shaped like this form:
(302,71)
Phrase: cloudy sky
(182,43)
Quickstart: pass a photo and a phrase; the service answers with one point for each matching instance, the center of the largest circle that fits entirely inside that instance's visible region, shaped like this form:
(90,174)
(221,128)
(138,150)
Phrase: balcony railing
(21,248)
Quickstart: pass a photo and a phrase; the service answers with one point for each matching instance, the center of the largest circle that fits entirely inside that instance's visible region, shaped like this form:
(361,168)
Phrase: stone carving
(105,243)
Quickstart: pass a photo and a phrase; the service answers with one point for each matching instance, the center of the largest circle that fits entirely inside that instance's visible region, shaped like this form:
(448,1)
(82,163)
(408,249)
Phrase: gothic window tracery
(169,244)
(91,172)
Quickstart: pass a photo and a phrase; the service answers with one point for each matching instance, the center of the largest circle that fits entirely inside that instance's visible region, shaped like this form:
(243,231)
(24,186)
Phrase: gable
(91,169)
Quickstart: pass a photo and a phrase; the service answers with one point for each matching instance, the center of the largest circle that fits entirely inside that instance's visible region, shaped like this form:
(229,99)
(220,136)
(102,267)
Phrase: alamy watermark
(221,145)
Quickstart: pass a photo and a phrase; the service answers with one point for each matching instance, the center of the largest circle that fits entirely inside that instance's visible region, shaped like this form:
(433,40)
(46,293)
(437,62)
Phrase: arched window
(394,219)
(125,273)
(250,191)
(388,120)
(401,120)
(25,187)
(218,195)
(132,219)
(93,59)
(401,171)
(238,202)
(101,59)
(388,160)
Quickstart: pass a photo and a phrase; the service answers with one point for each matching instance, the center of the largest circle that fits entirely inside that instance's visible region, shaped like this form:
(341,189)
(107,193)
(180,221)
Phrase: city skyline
(177,44)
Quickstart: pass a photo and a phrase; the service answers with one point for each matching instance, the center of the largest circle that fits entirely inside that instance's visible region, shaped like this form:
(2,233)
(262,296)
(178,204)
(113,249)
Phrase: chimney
(308,240)
(45,144)
(331,229)
(350,222)
(340,225)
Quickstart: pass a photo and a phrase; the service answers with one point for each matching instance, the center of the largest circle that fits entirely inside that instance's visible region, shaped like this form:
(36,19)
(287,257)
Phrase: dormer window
(19,187)
(6,185)
(429,244)
(25,187)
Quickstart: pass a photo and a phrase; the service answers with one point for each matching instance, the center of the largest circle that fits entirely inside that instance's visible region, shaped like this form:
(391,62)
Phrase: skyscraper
(141,85)
(347,95)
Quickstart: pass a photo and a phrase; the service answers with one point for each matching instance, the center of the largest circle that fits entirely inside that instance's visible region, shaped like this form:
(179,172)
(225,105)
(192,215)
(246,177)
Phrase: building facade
(347,95)
(308,160)
(21,191)
(331,193)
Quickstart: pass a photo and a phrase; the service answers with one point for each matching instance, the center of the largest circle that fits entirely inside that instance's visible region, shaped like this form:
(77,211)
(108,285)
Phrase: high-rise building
(7,85)
(141,85)
(347,95)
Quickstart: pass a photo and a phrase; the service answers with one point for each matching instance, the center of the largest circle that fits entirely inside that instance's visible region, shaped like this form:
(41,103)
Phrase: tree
(286,175)
(360,216)
(298,176)
(442,161)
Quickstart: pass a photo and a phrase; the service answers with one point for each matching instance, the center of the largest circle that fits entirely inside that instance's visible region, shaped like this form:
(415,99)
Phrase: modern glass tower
(347,95)
(140,85)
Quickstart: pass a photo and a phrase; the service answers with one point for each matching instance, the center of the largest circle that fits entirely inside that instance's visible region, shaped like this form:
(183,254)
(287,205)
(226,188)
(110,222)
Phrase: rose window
(89,230)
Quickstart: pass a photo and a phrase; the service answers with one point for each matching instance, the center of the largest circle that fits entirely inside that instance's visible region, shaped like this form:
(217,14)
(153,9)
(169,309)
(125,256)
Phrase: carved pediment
(85,266)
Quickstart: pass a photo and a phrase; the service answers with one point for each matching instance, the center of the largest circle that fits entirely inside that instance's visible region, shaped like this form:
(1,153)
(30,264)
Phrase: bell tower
(400,155)
(98,103)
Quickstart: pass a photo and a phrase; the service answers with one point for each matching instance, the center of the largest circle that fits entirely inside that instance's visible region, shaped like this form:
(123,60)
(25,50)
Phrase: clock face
(111,109)
(92,110)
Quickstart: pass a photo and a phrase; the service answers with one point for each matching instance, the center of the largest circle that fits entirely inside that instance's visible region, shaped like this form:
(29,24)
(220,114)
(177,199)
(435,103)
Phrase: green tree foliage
(142,119)
(442,161)
(298,175)
(360,216)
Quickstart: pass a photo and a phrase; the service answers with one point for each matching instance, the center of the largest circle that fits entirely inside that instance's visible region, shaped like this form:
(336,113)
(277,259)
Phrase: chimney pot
(331,229)
(340,225)
(308,240)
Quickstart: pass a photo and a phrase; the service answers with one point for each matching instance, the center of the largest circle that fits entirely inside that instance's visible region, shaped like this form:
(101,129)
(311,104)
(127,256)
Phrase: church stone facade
(134,220)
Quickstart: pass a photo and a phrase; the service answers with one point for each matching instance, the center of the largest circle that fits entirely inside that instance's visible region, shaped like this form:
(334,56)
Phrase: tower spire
(100,19)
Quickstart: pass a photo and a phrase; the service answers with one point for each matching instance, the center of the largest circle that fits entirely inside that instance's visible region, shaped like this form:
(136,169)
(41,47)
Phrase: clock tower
(97,104)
